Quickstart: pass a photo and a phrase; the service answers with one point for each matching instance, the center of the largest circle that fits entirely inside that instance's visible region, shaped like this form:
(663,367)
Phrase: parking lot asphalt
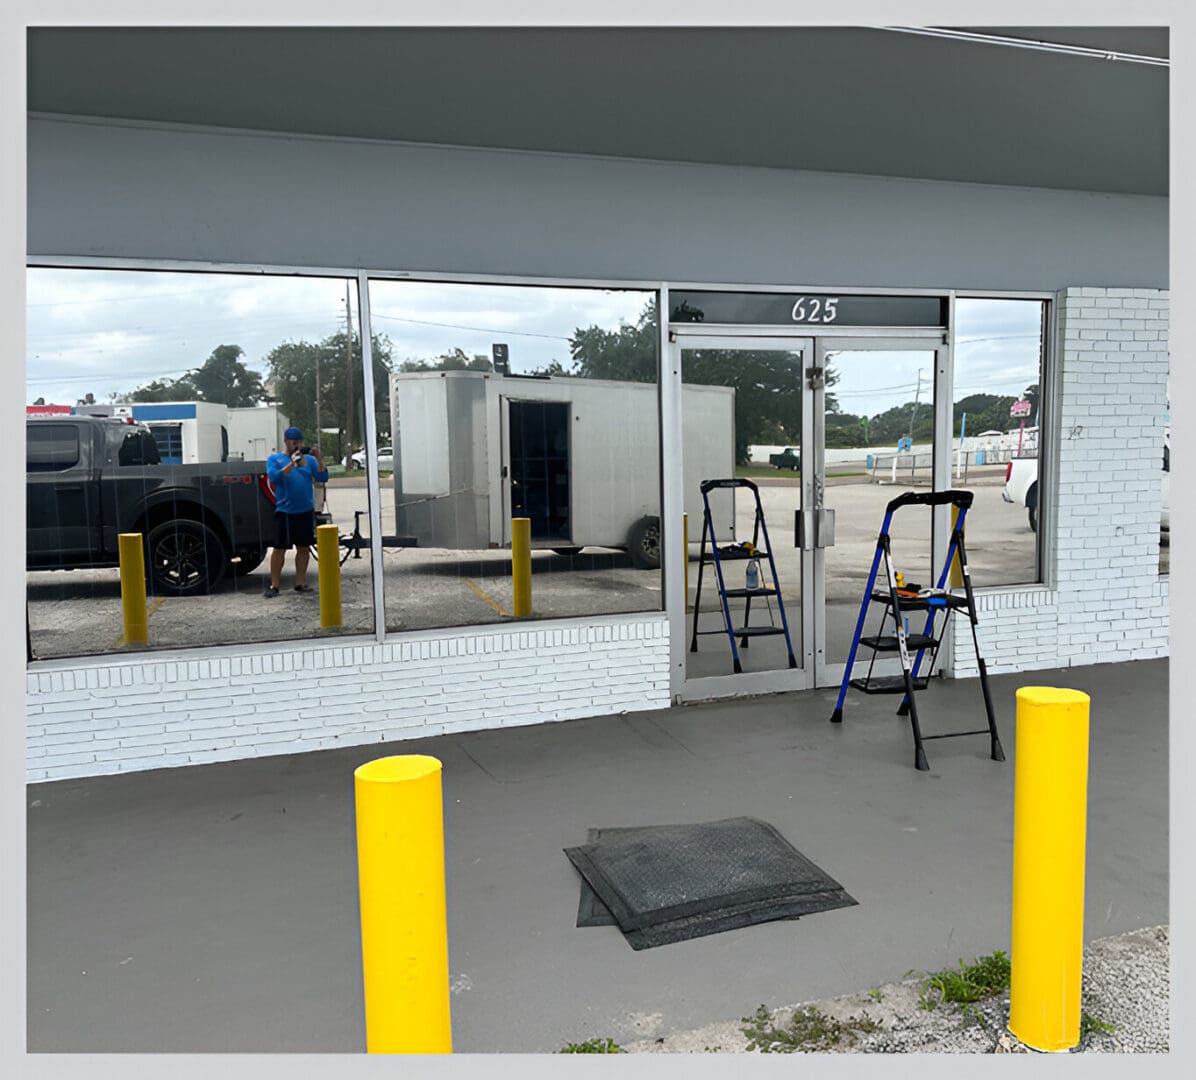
(214,908)
(75,613)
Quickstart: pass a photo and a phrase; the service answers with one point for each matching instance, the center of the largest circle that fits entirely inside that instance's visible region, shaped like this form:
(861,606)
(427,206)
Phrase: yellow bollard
(685,549)
(1049,809)
(328,553)
(521,567)
(131,547)
(404,929)
(955,578)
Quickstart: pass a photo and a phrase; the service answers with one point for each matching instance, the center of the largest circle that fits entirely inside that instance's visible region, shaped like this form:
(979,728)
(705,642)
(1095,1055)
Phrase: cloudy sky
(107,332)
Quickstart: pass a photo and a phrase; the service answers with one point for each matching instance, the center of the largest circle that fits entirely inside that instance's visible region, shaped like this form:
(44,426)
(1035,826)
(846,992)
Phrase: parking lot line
(484,596)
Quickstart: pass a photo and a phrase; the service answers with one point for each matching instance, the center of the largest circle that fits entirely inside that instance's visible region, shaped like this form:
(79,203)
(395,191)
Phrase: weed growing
(809,1029)
(593,1046)
(983,977)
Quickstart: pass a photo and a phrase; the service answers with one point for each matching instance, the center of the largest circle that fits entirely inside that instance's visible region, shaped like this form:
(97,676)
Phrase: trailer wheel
(184,558)
(643,543)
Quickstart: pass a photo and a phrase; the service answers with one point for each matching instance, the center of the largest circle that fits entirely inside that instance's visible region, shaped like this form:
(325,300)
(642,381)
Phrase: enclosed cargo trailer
(579,457)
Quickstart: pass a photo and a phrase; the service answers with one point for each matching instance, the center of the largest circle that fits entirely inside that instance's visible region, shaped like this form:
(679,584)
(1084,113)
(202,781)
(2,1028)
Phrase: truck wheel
(643,543)
(1032,507)
(184,558)
(248,563)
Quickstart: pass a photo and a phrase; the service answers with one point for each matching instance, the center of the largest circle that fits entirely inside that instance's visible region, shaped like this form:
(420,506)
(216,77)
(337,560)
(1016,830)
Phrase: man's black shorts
(294,530)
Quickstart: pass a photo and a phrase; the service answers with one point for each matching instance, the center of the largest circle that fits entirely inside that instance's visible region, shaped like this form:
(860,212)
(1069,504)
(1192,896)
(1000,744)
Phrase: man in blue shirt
(293,476)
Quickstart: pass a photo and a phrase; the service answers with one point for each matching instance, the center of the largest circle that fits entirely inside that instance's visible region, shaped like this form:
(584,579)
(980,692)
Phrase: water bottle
(752,574)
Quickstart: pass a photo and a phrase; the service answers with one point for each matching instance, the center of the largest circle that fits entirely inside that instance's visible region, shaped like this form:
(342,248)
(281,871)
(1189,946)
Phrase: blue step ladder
(895,602)
(739,553)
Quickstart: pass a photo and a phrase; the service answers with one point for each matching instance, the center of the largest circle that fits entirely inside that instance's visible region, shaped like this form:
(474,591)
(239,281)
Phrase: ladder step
(888,643)
(767,591)
(922,603)
(888,684)
(757,631)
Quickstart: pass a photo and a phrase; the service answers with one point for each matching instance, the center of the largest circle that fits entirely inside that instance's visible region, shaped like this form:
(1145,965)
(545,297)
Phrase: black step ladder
(895,602)
(739,553)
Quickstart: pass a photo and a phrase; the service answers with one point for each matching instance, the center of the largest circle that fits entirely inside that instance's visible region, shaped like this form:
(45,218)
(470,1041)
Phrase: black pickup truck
(789,458)
(90,478)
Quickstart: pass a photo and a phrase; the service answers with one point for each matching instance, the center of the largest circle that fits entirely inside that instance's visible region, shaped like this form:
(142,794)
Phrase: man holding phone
(293,475)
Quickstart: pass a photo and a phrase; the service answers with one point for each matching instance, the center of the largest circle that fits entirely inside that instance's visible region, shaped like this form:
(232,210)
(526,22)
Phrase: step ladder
(739,553)
(895,602)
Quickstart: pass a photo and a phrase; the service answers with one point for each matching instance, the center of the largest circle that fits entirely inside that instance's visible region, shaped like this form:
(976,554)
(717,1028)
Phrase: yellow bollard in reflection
(955,578)
(685,548)
(521,567)
(328,555)
(131,548)
(404,929)
(1049,810)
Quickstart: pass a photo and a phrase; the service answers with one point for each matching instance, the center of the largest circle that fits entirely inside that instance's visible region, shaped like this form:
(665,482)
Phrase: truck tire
(248,563)
(184,558)
(1032,507)
(643,543)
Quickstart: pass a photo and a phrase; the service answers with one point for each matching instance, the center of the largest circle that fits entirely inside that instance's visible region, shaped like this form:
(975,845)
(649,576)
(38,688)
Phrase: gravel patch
(1126,984)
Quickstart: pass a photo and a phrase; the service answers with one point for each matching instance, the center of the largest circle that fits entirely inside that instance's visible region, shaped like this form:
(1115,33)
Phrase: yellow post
(404,929)
(1049,809)
(685,551)
(521,567)
(955,578)
(131,548)
(328,554)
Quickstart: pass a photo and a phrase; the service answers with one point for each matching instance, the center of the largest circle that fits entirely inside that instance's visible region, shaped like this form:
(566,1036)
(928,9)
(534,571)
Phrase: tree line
(303,377)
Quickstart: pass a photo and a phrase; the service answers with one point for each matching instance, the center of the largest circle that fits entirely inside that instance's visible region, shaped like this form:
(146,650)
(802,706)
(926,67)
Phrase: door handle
(813,529)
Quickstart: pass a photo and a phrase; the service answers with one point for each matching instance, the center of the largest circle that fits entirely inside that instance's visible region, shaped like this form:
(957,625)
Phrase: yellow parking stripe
(484,596)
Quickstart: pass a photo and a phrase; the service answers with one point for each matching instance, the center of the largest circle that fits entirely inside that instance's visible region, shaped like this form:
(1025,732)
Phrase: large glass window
(997,419)
(154,401)
(508,402)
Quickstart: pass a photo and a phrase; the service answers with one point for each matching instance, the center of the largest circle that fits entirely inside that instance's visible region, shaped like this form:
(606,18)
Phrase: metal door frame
(814,670)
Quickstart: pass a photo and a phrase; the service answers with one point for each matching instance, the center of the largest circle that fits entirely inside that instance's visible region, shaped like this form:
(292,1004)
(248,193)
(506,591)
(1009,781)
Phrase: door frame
(813,670)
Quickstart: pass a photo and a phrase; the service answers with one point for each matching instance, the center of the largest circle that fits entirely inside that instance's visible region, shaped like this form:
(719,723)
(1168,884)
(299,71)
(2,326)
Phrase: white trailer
(579,457)
(255,433)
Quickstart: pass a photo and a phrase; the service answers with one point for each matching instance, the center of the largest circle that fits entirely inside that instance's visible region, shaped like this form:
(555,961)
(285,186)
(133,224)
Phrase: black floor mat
(668,883)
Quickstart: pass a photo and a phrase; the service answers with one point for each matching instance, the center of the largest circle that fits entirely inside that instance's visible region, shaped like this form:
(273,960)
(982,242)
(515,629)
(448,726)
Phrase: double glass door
(799,443)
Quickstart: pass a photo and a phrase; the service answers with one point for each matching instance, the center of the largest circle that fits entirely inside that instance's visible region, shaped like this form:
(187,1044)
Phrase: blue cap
(293,433)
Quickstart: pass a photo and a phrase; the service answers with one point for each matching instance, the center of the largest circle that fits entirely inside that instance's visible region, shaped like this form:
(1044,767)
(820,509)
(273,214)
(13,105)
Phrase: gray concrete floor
(215,908)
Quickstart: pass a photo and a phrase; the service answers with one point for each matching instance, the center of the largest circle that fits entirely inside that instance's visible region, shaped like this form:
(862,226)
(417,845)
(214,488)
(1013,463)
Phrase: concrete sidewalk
(215,908)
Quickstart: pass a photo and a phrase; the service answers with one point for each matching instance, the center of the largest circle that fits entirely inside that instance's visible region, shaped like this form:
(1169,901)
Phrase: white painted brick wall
(87,718)
(1108,602)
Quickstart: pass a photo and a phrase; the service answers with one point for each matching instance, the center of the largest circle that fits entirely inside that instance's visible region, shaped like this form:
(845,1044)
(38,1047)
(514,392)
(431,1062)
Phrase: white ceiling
(829,99)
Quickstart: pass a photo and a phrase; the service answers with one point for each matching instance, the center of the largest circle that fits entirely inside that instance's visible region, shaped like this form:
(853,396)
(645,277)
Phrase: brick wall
(86,718)
(1107,601)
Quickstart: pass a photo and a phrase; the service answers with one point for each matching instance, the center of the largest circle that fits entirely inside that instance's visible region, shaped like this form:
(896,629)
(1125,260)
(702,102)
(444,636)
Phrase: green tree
(158,390)
(453,360)
(225,380)
(768,384)
(292,380)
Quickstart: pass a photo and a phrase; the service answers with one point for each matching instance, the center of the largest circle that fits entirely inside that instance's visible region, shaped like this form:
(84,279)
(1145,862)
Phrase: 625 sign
(815,309)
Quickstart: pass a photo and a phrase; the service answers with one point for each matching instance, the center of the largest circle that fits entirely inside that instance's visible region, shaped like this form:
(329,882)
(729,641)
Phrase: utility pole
(913,455)
(348,371)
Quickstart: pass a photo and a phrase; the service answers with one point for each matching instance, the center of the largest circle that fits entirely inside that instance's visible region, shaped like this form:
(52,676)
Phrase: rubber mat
(668,883)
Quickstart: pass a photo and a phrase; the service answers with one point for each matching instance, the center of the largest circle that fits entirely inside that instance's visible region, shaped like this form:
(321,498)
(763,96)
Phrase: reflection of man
(293,475)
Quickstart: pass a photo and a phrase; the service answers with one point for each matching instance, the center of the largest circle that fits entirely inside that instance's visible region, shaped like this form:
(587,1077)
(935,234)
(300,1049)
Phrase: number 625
(810,309)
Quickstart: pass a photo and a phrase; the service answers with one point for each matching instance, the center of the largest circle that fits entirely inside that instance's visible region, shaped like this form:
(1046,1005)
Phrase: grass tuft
(593,1046)
(983,977)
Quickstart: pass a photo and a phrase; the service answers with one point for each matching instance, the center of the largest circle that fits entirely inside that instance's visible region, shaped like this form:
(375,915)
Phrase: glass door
(746,408)
(875,437)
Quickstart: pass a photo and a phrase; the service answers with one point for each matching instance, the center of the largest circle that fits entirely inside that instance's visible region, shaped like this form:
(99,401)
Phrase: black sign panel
(815,310)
